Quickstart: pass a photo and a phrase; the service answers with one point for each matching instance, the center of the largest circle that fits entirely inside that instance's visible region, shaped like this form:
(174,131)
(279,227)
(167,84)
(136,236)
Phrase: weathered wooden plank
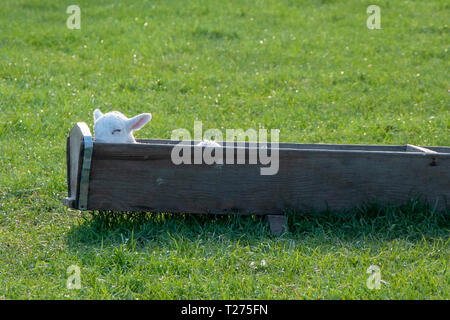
(75,146)
(69,191)
(284,145)
(148,151)
(314,146)
(142,177)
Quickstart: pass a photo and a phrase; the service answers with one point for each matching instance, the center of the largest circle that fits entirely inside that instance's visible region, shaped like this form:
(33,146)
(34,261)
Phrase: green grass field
(309,68)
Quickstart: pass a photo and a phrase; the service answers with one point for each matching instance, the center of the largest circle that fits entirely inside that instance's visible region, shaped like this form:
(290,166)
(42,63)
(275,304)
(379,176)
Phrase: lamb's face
(114,127)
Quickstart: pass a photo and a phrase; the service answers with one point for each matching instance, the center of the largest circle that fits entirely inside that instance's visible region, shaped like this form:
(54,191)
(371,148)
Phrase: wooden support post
(79,152)
(277,223)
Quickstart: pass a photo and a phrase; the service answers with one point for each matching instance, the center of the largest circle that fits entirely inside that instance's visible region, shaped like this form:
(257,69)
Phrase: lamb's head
(114,127)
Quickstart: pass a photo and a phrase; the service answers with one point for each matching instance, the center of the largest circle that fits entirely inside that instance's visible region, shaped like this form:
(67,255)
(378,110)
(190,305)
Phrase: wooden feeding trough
(143,177)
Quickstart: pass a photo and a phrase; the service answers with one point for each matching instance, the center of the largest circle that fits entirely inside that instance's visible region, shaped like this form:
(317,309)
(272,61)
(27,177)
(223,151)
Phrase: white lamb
(114,127)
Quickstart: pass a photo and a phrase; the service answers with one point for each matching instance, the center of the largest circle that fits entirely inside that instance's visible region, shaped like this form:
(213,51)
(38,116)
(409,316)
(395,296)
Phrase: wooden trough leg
(277,223)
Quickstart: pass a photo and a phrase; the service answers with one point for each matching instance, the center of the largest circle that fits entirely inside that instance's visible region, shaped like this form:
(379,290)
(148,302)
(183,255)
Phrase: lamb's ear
(139,121)
(97,114)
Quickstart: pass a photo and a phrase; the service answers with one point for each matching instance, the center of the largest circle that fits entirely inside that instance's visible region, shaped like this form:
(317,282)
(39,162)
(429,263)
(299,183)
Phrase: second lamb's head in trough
(114,127)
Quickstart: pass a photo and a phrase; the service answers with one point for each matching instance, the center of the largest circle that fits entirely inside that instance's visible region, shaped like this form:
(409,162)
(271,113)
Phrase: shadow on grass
(412,221)
(100,227)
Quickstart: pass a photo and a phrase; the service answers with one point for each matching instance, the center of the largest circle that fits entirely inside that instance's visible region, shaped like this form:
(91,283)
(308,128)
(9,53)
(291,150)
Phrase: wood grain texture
(142,177)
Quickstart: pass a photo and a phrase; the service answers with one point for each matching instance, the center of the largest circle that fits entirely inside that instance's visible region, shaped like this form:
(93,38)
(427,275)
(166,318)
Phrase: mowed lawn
(309,68)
